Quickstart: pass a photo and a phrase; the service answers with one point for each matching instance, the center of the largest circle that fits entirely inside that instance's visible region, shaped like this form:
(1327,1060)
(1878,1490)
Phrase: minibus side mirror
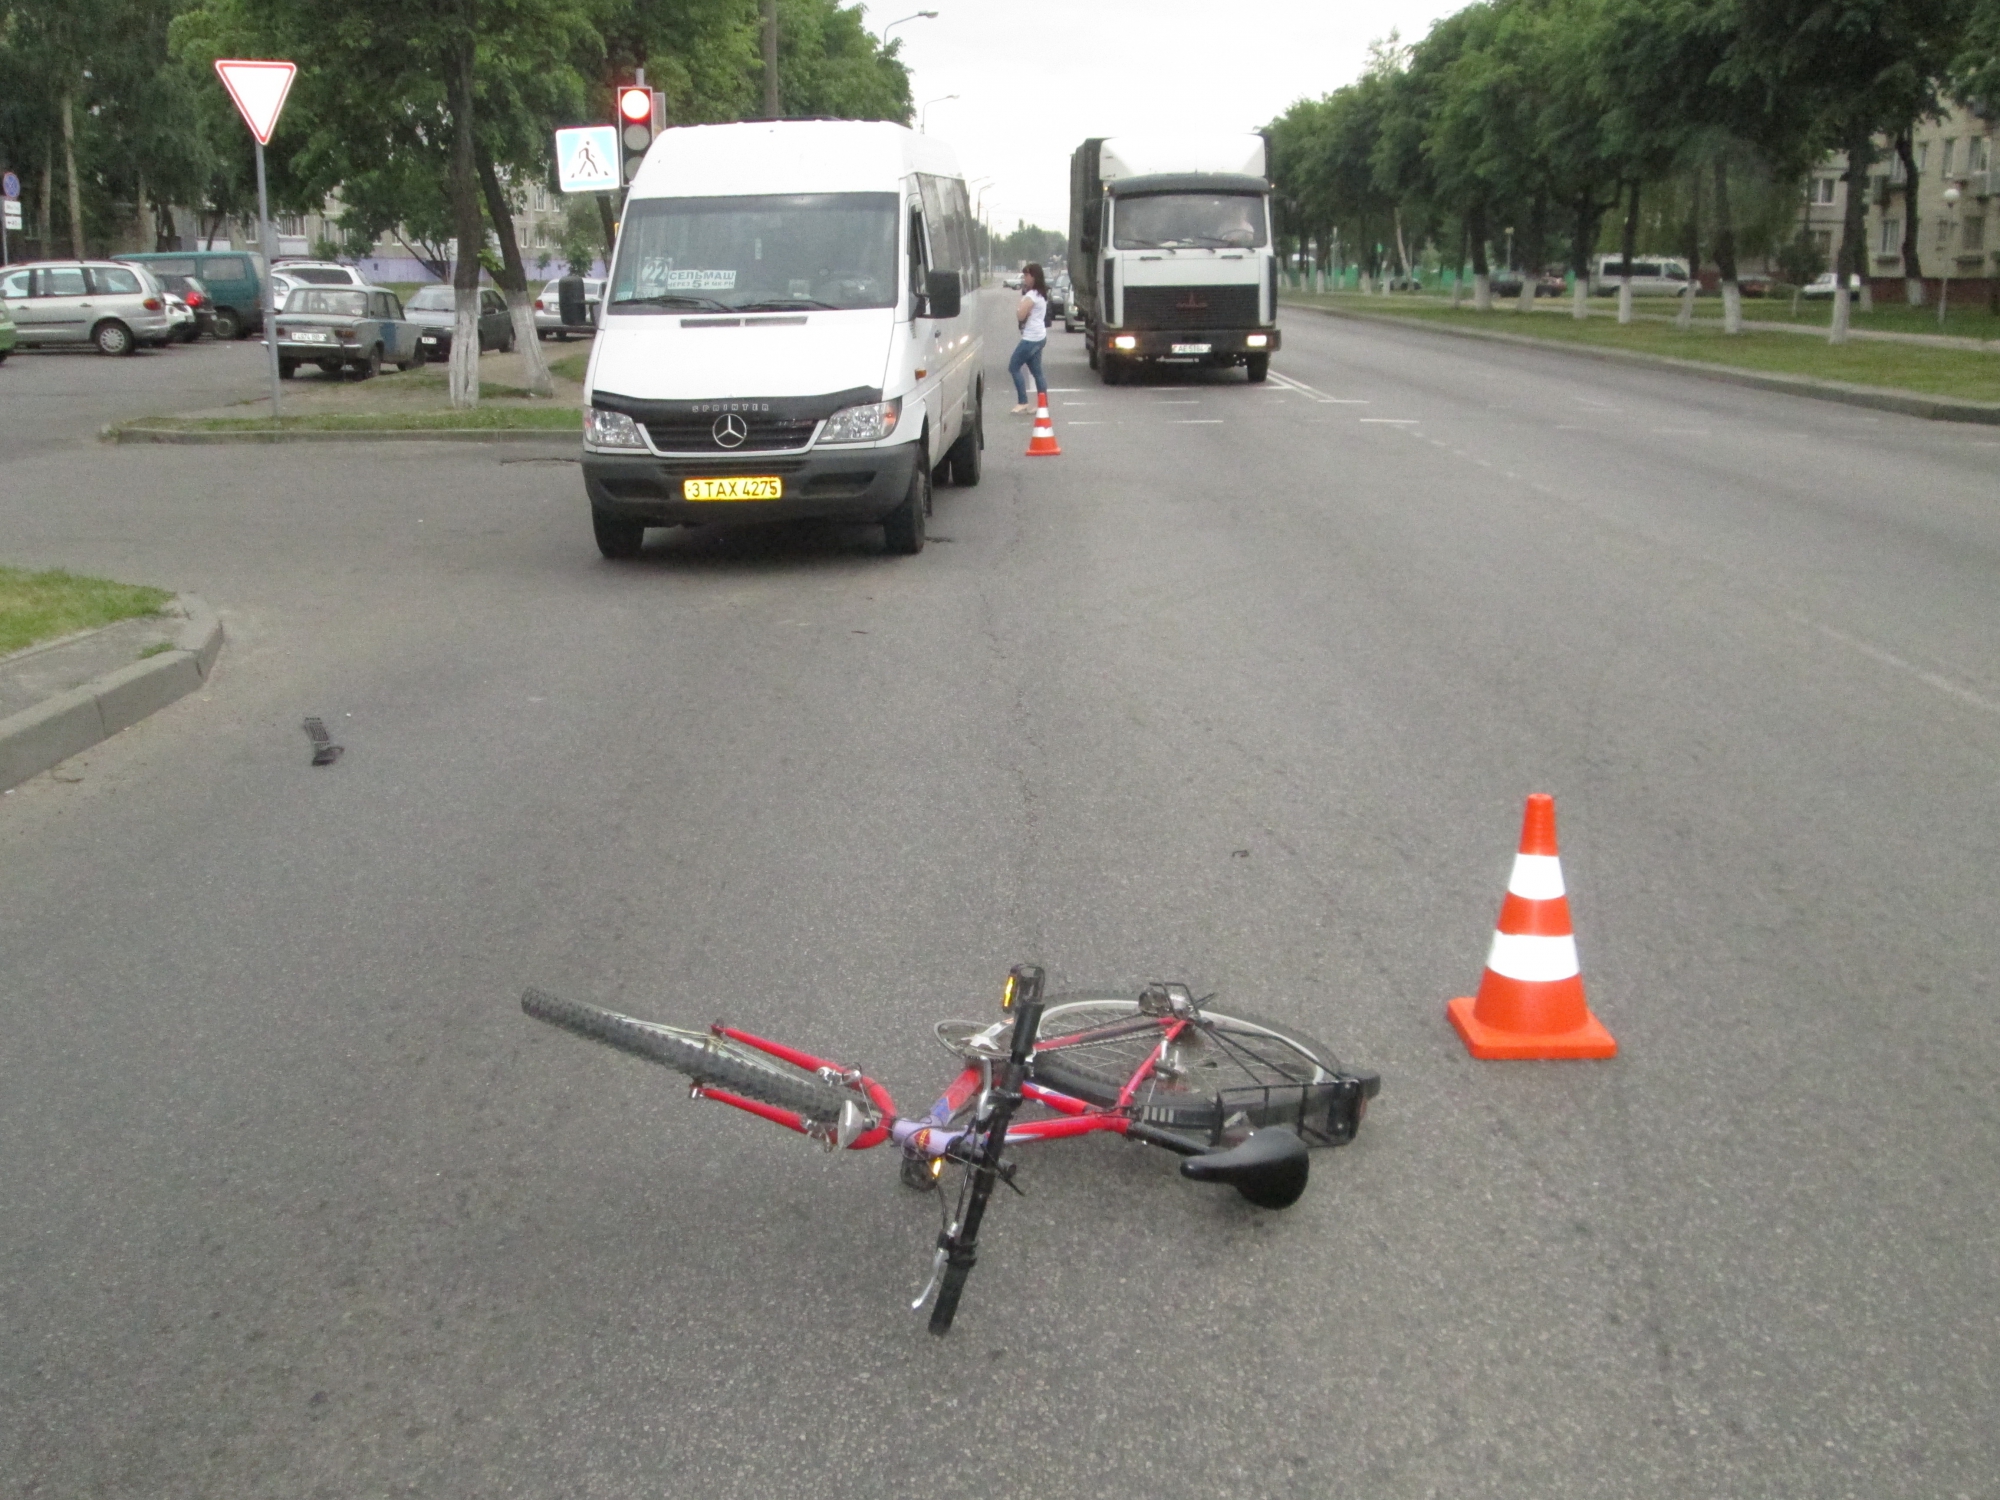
(941,295)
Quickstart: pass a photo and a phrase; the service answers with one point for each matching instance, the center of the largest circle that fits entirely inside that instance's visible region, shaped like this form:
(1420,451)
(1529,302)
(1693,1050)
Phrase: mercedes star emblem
(729,430)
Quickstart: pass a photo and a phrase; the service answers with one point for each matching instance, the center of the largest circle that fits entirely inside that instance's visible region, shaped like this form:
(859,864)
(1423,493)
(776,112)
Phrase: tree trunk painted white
(1457,288)
(1913,290)
(465,348)
(1482,291)
(1837,331)
(1624,299)
(1526,301)
(521,307)
(1579,299)
(1867,290)
(1684,314)
(1732,307)
(1367,284)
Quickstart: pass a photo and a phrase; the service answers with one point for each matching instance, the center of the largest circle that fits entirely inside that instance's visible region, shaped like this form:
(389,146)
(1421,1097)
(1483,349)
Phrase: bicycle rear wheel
(705,1058)
(1224,1076)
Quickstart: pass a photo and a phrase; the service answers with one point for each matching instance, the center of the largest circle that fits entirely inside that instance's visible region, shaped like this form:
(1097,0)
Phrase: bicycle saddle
(1269,1168)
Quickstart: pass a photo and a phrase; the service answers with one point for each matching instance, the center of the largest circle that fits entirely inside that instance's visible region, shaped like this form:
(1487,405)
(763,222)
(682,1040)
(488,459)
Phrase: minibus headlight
(1256,341)
(1124,341)
(611,429)
(869,423)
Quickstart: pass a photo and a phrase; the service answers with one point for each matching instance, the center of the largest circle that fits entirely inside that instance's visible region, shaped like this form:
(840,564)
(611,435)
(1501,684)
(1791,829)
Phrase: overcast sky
(1034,80)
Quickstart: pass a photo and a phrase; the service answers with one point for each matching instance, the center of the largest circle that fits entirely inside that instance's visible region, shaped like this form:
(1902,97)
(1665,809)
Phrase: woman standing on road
(1033,316)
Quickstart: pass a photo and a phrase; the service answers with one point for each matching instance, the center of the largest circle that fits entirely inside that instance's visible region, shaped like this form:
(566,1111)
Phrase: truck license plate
(747,487)
(1193,348)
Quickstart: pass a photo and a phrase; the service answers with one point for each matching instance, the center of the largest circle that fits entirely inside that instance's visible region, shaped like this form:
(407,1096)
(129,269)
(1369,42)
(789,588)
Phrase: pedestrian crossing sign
(587,159)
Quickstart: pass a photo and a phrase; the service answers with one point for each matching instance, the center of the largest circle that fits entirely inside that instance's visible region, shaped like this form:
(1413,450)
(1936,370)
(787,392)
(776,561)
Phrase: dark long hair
(1033,272)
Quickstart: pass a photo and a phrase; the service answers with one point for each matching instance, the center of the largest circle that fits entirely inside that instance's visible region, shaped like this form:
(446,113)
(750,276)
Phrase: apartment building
(1960,150)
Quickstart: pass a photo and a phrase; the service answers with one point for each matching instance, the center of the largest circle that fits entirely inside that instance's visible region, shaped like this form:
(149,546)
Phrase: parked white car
(1823,285)
(548,309)
(318,273)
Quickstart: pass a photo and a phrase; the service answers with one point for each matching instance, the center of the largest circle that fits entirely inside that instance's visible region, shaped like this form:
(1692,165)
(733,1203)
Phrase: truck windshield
(810,250)
(1164,221)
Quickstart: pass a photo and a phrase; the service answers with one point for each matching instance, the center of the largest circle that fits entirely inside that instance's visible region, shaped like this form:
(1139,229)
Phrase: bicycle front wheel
(1223,1076)
(705,1058)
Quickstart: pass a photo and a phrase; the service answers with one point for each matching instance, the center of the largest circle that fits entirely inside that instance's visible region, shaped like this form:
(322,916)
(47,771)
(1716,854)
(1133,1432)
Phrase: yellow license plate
(747,487)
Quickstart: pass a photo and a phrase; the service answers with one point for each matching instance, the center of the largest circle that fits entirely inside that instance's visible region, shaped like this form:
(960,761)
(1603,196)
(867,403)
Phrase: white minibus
(789,330)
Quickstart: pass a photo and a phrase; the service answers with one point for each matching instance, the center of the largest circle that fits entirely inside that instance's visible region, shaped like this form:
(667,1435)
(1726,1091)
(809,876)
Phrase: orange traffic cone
(1043,443)
(1530,1001)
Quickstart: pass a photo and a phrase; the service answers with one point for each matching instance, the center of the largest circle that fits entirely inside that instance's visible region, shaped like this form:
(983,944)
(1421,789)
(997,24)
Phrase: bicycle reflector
(1007,994)
(642,113)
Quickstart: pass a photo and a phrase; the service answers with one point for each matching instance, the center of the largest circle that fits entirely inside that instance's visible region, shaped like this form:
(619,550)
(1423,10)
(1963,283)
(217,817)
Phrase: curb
(139,433)
(37,738)
(1903,403)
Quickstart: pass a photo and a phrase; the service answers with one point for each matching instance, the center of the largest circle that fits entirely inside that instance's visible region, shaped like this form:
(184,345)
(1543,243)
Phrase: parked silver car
(99,302)
(434,309)
(548,309)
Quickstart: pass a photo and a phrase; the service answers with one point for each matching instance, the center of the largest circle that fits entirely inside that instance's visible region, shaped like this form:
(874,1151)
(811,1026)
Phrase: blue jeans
(1028,353)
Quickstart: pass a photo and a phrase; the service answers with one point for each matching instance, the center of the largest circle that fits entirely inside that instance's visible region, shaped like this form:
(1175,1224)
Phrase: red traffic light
(636,105)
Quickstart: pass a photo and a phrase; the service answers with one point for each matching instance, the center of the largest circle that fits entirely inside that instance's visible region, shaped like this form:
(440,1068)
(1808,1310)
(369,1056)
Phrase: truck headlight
(611,429)
(1256,341)
(1124,341)
(869,423)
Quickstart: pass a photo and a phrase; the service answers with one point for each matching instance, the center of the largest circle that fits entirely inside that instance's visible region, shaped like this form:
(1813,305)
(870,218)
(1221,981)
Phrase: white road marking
(1390,421)
(1320,396)
(1195,422)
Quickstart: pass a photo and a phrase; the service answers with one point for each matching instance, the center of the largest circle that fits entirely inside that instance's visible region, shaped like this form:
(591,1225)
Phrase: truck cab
(1171,253)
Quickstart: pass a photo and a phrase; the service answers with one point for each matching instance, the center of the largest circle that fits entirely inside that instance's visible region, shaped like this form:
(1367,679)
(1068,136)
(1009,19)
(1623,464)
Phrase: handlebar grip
(946,1307)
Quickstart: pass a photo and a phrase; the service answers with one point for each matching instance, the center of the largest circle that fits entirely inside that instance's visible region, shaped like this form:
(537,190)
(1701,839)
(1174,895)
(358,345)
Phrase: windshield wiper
(674,299)
(784,304)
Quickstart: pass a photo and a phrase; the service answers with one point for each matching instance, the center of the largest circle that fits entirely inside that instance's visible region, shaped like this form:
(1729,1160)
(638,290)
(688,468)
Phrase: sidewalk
(63,696)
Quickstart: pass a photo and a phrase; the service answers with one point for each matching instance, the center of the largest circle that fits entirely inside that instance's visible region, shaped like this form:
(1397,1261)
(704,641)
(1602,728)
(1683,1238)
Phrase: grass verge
(41,606)
(570,366)
(1961,374)
(477,419)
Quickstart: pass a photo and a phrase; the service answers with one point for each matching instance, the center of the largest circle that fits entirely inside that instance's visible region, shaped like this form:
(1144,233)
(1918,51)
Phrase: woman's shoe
(1021,408)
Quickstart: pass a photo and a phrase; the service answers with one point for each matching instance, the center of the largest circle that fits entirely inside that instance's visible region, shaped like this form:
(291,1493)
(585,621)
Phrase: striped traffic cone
(1043,443)
(1530,1001)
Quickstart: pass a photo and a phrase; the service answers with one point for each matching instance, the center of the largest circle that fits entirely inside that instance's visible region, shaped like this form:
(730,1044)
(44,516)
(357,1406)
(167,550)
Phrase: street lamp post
(923,118)
(922,15)
(1951,197)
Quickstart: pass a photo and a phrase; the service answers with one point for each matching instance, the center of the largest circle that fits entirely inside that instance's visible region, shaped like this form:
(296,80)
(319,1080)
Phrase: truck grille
(1190,307)
(697,434)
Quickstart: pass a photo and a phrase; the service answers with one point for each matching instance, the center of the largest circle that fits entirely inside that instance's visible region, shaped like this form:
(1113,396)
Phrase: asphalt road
(54,400)
(1246,688)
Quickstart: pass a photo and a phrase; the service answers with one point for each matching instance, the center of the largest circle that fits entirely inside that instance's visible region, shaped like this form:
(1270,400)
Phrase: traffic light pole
(270,305)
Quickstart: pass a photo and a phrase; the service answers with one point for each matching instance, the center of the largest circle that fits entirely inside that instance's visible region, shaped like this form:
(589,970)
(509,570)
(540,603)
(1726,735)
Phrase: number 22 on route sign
(587,159)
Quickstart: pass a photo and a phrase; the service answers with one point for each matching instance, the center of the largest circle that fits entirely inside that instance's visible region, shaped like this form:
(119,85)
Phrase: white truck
(1170,252)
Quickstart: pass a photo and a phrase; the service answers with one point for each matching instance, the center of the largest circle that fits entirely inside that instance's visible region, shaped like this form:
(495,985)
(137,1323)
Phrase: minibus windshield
(757,254)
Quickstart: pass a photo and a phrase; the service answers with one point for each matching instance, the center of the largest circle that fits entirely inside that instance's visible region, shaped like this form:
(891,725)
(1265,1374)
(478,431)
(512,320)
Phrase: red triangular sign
(259,89)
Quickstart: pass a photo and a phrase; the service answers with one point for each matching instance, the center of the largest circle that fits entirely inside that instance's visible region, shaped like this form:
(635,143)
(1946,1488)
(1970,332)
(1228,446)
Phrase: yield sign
(259,89)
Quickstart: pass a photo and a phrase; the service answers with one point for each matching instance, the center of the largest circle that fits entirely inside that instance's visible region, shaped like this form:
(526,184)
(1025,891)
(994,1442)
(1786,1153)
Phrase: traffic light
(642,112)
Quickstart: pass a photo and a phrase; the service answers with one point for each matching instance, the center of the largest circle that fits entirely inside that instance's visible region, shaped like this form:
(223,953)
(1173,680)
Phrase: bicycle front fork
(958,1245)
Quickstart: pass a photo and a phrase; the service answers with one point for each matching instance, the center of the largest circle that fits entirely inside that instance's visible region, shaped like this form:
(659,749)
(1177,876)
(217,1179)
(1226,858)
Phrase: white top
(1036,328)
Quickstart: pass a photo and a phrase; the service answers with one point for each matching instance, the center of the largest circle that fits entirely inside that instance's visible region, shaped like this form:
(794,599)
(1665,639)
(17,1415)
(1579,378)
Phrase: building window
(1975,154)
(1944,235)
(1823,190)
(1823,243)
(1975,233)
(1945,168)
(1923,154)
(1892,237)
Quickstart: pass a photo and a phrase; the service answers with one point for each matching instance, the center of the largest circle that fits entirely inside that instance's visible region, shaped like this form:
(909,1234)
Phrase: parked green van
(234,278)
